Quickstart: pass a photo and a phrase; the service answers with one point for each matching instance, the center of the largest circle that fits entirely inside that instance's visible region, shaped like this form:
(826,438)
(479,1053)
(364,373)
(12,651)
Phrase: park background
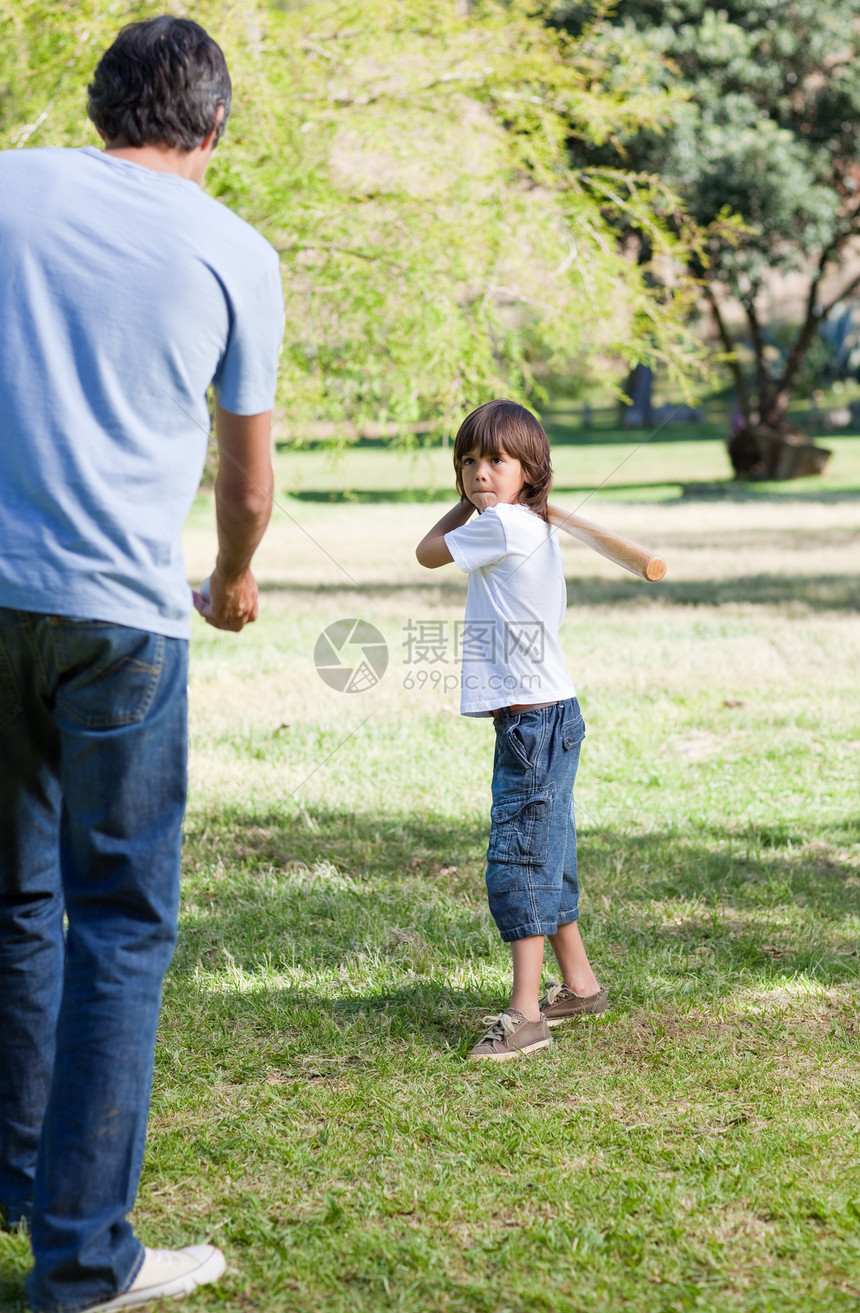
(509,198)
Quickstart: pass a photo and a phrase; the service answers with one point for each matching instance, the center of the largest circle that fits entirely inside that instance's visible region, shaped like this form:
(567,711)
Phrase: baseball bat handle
(631,556)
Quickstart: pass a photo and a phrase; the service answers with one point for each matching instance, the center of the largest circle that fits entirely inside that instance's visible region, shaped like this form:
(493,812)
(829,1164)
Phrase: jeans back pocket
(109,673)
(10,698)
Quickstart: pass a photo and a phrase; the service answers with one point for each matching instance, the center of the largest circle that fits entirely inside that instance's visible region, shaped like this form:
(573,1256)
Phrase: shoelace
(169,1257)
(555,989)
(501,1026)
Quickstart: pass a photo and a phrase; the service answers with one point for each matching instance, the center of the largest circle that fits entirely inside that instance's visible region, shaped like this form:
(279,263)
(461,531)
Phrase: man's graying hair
(160,83)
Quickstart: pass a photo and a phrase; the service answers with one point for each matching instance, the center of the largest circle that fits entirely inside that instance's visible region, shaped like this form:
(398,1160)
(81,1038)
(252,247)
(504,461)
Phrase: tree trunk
(763,383)
(729,348)
(637,413)
(760,452)
(774,413)
(764,446)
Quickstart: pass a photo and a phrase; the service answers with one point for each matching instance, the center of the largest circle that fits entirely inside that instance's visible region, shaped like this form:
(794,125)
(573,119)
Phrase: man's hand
(228,603)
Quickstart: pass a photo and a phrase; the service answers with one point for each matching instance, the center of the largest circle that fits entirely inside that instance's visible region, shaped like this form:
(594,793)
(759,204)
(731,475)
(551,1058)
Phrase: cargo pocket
(573,734)
(519,828)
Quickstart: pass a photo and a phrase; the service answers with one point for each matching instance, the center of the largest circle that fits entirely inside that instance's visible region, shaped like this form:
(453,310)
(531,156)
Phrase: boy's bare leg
(528,967)
(572,960)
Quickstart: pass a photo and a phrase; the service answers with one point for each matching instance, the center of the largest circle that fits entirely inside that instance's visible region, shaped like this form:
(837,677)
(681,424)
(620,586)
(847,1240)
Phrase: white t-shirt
(514,608)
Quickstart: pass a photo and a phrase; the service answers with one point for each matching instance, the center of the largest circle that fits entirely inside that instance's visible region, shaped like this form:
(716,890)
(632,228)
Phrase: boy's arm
(432,550)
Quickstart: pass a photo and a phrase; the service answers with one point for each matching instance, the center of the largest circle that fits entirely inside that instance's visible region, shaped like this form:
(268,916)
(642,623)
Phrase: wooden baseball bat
(631,556)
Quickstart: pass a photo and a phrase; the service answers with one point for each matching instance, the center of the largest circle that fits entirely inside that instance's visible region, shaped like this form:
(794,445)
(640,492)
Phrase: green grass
(695,1148)
(612,465)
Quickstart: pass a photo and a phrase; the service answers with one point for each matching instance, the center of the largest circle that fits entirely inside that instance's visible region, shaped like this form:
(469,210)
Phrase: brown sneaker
(560,1004)
(511,1035)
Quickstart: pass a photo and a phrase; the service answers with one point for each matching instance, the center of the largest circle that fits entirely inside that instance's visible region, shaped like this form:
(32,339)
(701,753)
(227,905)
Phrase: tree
(769,134)
(409,161)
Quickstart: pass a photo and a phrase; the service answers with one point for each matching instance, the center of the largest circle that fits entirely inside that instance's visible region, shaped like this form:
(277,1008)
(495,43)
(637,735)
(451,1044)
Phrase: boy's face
(489,480)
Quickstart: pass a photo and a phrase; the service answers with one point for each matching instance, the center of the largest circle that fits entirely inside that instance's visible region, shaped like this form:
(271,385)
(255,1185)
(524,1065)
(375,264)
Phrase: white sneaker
(168,1272)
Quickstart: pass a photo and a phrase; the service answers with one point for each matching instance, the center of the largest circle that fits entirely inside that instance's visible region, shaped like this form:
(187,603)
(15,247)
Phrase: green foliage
(411,167)
(769,126)
(810,375)
(768,134)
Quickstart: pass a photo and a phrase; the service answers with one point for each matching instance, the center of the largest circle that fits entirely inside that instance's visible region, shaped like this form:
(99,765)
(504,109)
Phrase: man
(124,291)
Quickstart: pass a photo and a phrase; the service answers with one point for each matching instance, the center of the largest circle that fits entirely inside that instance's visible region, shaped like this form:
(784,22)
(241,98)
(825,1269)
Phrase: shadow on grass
(372,496)
(12,1297)
(14,1264)
(444,493)
(570,432)
(563,431)
(824,592)
(726,490)
(737,490)
(453,586)
(669,918)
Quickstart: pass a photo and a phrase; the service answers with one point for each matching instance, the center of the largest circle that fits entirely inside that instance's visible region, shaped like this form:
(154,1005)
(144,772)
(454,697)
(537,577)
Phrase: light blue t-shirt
(123,294)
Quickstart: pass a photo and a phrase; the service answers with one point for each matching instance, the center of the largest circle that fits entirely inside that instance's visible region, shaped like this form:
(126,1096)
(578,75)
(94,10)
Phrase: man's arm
(243,504)
(432,550)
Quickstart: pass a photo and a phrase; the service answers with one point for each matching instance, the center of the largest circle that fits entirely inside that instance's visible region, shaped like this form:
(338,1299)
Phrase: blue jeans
(531,859)
(93,781)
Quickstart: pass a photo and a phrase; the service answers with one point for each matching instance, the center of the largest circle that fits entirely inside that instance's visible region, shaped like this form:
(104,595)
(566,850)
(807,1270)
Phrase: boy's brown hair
(504,426)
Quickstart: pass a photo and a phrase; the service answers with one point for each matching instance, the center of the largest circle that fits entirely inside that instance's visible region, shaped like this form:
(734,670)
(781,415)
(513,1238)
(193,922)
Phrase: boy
(513,671)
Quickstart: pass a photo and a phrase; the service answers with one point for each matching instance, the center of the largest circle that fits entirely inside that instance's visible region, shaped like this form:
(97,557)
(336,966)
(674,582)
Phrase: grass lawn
(623,466)
(314,1111)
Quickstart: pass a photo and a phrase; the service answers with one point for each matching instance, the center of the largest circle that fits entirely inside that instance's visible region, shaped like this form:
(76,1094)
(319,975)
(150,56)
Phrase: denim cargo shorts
(531,859)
